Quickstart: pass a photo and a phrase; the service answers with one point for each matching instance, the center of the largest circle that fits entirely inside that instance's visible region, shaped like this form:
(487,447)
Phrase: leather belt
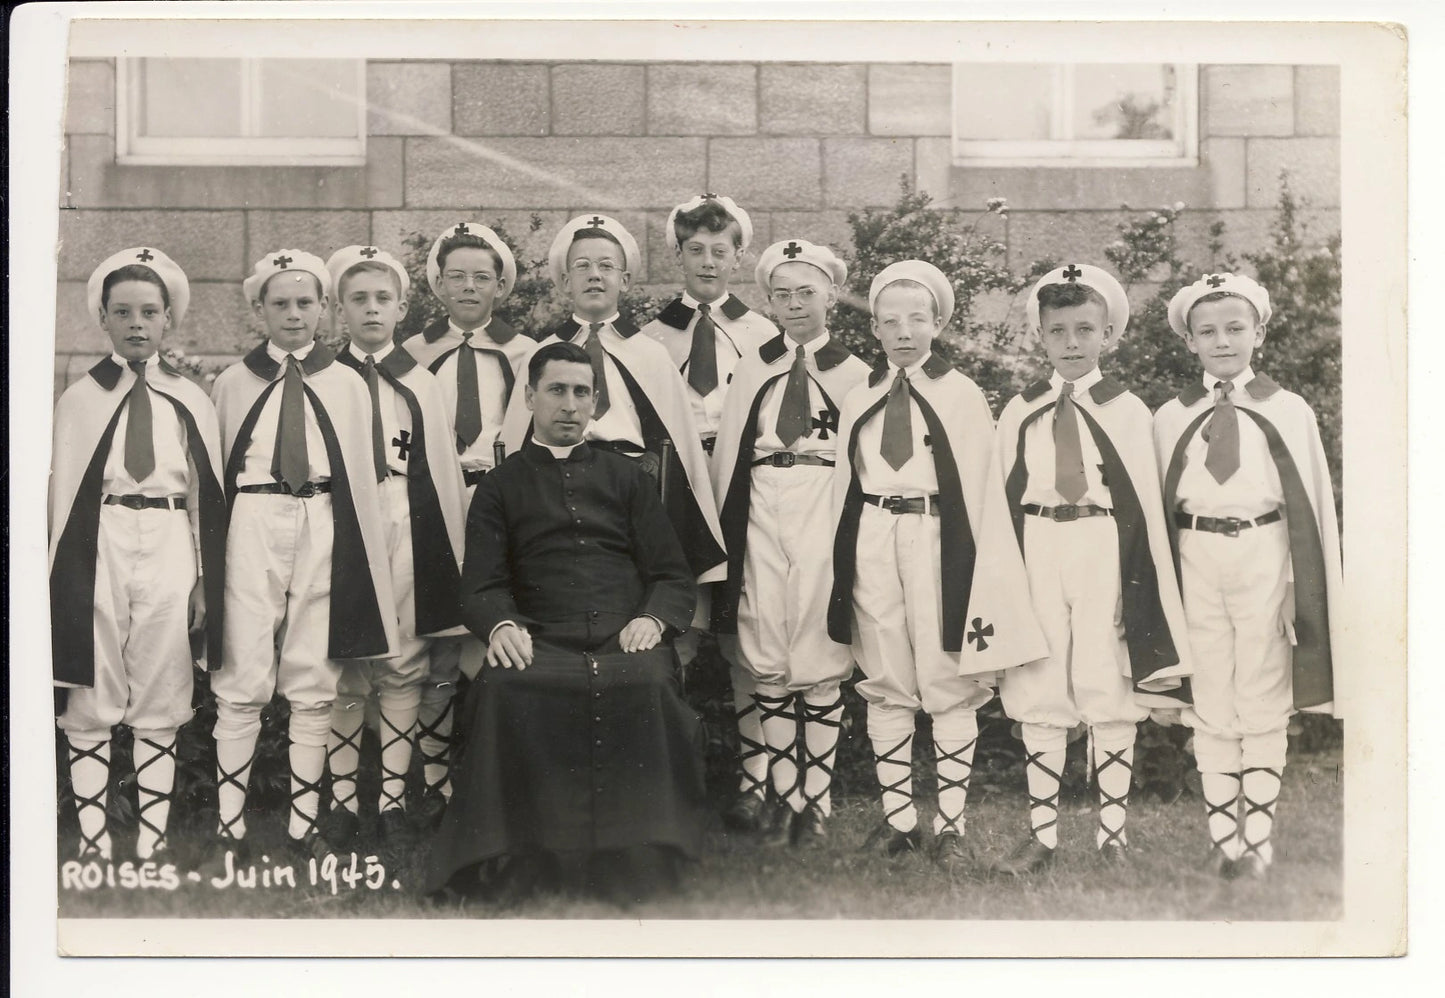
(282,489)
(787,459)
(1066,514)
(147,502)
(1230,526)
(898,505)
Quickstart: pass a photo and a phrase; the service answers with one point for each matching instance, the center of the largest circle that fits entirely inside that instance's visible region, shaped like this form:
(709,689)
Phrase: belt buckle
(133,502)
(1066,514)
(305,492)
(1232,525)
(894,504)
(784,459)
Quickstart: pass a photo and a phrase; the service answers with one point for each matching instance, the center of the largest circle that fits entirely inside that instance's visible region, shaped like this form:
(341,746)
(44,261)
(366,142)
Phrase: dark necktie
(140,452)
(593,346)
(378,447)
(1069,478)
(793,415)
(469,400)
(897,446)
(290,463)
(702,359)
(1222,458)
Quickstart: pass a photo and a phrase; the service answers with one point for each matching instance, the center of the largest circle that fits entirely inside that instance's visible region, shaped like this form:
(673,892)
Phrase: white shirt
(395,416)
(620,422)
(1253,490)
(822,443)
(734,338)
(171,475)
(917,477)
(259,453)
(1039,451)
(491,393)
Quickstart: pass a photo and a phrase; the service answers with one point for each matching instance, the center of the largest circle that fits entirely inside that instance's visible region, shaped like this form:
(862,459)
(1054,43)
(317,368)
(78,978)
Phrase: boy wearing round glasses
(772,472)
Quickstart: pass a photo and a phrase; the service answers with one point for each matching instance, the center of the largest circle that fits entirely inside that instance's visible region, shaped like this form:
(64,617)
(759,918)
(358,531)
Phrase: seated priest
(580,768)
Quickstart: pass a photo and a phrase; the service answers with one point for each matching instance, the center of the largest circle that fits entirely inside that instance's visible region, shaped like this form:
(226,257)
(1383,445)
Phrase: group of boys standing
(307,524)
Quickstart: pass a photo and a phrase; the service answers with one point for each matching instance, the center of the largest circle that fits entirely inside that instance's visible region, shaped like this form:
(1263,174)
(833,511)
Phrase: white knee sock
(398,728)
(434,737)
(779,723)
(752,752)
(155,778)
(89,777)
(955,769)
(1043,768)
(822,723)
(343,750)
(1114,776)
(1260,788)
(233,773)
(1221,803)
(893,764)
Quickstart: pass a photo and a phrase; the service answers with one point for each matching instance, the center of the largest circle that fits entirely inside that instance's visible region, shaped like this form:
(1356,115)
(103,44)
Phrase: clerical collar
(378,355)
(279,355)
(586,324)
(811,347)
(464,332)
(692,303)
(1081,384)
(152,362)
(1239,380)
(560,453)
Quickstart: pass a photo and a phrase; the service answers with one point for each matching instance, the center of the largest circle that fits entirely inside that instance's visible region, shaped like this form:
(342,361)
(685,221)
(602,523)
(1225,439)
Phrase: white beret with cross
(486,235)
(745,224)
(557,255)
(1230,284)
(350,256)
(178,288)
(800,251)
(293,263)
(1116,302)
(922,272)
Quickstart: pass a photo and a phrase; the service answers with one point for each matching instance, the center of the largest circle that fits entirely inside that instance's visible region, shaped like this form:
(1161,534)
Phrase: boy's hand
(640,634)
(510,648)
(196,608)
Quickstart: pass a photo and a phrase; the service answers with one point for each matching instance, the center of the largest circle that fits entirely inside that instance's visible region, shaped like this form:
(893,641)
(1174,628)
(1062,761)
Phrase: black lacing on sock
(1051,802)
(749,748)
(343,741)
(818,714)
(238,779)
(770,707)
(90,846)
(963,755)
(155,797)
(902,786)
(391,736)
(1106,799)
(303,787)
(1254,807)
(442,758)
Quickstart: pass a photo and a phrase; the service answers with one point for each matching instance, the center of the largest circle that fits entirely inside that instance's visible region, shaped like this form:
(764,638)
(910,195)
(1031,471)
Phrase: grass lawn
(737,878)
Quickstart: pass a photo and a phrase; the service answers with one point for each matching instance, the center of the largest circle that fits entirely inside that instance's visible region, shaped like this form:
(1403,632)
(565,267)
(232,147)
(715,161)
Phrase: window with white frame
(241,112)
(1075,114)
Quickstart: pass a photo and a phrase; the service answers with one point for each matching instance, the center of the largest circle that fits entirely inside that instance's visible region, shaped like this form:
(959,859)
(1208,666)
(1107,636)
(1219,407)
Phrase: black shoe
(394,836)
(949,853)
(745,813)
(776,823)
(213,862)
(889,841)
(312,845)
(428,814)
(809,827)
(341,828)
(1250,866)
(1218,864)
(1114,853)
(1030,856)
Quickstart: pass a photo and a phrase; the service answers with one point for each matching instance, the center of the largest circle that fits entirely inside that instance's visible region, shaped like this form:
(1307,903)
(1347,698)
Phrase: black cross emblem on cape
(461,229)
(1072,273)
(369,252)
(596,221)
(282,261)
(792,250)
(402,443)
(1214,281)
(980,632)
(824,422)
(145,256)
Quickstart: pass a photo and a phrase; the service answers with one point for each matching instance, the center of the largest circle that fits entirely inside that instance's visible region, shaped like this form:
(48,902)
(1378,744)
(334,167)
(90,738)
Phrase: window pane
(1004,100)
(1125,101)
(314,98)
(191,97)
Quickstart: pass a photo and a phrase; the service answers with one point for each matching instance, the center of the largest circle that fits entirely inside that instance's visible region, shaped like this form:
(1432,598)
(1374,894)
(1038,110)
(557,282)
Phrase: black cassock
(588,758)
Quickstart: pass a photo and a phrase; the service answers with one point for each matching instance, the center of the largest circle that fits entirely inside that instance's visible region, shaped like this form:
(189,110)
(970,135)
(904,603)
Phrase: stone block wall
(799,145)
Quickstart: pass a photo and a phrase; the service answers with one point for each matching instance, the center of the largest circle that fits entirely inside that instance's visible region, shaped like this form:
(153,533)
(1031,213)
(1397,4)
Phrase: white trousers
(897,614)
(1073,572)
(787,579)
(278,609)
(1234,601)
(409,668)
(145,568)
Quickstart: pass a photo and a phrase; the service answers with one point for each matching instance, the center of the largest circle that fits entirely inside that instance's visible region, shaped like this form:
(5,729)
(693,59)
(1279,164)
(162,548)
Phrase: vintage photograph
(496,477)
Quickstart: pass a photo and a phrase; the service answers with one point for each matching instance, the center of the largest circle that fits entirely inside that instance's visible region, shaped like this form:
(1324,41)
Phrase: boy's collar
(620,326)
(1239,380)
(1104,389)
(107,372)
(1259,387)
(680,310)
(933,367)
(393,362)
(377,355)
(826,352)
(262,364)
(452,327)
(1081,384)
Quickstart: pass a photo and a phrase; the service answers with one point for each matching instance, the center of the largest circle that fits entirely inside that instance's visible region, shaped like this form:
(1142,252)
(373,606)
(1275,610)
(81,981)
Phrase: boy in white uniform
(1252,511)
(420,485)
(307,577)
(773,471)
(137,546)
(707,330)
(641,400)
(478,360)
(909,487)
(1075,457)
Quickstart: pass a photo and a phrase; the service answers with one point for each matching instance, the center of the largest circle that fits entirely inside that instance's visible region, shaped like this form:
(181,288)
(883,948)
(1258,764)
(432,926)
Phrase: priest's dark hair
(466,240)
(710,216)
(565,351)
(1068,294)
(133,272)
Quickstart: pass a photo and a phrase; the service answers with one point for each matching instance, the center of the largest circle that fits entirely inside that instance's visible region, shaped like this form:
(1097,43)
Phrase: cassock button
(599,743)
(597,718)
